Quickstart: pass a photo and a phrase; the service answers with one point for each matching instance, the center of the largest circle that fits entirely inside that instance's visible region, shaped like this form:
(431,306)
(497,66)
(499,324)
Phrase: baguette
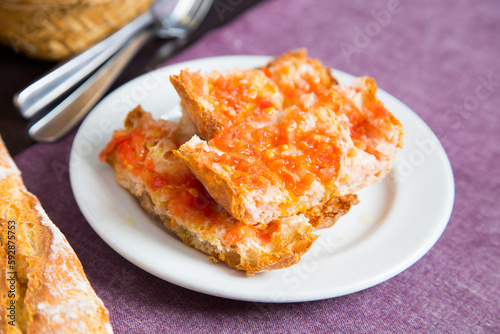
(142,159)
(43,288)
(330,140)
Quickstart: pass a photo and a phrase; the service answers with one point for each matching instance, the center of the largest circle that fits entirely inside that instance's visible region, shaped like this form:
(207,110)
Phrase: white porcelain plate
(397,221)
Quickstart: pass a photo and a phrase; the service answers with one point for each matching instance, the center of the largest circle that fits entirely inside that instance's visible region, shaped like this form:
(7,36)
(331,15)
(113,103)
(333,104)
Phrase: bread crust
(326,215)
(206,121)
(41,274)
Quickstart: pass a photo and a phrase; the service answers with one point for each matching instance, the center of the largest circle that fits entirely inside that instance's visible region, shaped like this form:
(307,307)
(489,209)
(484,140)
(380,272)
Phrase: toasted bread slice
(217,101)
(273,163)
(141,156)
(290,162)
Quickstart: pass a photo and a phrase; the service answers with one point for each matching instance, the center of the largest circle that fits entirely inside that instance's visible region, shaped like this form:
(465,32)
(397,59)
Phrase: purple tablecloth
(441,58)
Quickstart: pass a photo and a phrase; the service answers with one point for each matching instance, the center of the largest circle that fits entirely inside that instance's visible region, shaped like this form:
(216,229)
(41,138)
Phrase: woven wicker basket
(56,29)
